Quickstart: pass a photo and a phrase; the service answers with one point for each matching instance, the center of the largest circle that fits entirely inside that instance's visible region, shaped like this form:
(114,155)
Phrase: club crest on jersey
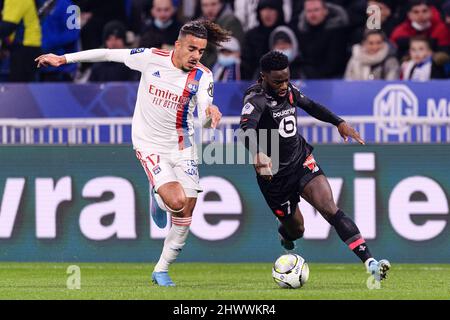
(248,108)
(137,50)
(192,86)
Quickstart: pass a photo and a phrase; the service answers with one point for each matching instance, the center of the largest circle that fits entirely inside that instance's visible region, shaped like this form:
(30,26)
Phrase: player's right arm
(136,59)
(95,55)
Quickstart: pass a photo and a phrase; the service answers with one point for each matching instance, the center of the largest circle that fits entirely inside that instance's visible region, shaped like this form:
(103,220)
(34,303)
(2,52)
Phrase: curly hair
(205,29)
(273,61)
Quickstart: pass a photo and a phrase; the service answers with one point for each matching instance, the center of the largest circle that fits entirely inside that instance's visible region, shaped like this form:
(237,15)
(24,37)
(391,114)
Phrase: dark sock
(284,234)
(349,233)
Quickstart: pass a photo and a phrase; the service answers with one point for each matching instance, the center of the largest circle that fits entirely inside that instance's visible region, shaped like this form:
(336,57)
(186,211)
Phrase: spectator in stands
(139,14)
(357,20)
(188,9)
(163,28)
(96,14)
(228,65)
(373,59)
(59,39)
(446,12)
(114,36)
(4,63)
(256,43)
(221,13)
(388,20)
(424,64)
(283,39)
(246,11)
(422,20)
(318,12)
(322,37)
(20,22)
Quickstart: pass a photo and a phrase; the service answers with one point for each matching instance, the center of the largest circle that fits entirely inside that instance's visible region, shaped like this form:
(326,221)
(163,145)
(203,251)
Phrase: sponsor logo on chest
(283,113)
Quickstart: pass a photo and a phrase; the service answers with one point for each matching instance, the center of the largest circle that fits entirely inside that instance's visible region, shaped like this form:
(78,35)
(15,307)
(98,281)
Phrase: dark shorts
(282,194)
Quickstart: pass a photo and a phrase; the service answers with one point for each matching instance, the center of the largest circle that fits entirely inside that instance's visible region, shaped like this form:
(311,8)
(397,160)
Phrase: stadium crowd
(322,39)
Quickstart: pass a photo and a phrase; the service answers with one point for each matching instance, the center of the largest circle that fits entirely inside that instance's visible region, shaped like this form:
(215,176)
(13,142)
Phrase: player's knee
(177,203)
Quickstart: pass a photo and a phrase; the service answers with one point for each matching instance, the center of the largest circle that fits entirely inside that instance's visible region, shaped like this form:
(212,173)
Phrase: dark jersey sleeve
(250,116)
(251,113)
(315,109)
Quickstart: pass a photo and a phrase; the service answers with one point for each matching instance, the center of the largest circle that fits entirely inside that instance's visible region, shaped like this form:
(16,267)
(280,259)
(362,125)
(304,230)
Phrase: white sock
(173,243)
(367,263)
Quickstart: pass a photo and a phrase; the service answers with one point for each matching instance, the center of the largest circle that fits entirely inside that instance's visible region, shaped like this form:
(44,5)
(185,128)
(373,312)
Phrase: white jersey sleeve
(138,59)
(98,55)
(204,98)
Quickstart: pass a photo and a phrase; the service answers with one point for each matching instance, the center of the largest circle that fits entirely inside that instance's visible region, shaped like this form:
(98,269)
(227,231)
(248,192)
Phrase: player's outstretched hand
(50,59)
(213,112)
(347,131)
(263,166)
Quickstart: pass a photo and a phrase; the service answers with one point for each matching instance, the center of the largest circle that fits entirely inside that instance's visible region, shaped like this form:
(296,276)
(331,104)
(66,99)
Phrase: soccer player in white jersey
(172,84)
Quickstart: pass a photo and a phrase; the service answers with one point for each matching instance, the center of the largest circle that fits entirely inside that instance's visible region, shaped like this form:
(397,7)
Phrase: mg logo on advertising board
(395,101)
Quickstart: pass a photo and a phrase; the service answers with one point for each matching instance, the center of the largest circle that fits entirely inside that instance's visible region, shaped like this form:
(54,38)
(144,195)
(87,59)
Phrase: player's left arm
(322,113)
(208,113)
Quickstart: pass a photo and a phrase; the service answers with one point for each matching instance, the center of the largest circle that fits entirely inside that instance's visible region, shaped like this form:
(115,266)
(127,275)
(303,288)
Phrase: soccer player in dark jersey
(271,104)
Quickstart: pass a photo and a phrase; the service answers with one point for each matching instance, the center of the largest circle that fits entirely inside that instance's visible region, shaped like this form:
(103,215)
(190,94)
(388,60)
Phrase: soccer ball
(290,271)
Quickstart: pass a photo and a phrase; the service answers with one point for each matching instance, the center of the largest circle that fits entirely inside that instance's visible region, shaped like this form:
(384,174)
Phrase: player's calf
(350,234)
(289,233)
(287,239)
(327,208)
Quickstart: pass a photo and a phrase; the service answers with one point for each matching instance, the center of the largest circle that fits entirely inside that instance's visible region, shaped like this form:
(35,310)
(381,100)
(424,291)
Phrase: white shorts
(179,167)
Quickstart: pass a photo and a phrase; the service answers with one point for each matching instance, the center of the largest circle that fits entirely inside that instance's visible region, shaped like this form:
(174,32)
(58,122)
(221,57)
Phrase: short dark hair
(205,29)
(412,3)
(273,61)
(422,38)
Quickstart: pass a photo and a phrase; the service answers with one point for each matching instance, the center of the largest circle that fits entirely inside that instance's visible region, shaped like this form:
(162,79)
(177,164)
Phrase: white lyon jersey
(166,99)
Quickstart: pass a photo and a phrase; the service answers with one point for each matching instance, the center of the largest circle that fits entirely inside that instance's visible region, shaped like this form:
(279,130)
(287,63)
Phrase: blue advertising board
(355,98)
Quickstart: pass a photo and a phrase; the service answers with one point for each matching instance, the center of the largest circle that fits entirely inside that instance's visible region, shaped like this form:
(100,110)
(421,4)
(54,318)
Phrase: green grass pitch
(219,281)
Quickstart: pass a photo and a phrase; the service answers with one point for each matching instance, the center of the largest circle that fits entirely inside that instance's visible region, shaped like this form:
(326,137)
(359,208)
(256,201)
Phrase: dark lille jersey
(262,111)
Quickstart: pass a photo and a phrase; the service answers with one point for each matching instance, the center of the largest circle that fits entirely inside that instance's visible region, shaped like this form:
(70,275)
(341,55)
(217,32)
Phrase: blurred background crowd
(322,39)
